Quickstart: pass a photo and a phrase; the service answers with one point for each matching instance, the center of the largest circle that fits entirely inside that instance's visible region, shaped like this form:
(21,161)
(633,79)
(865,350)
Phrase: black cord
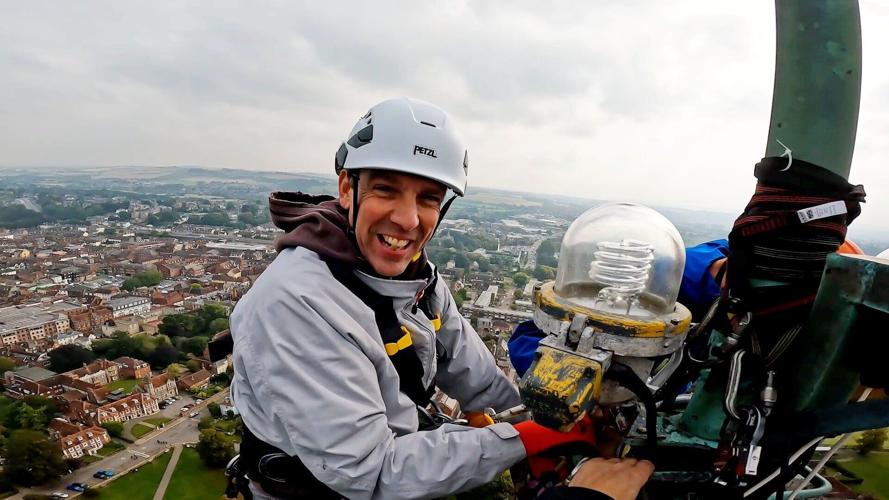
(627,378)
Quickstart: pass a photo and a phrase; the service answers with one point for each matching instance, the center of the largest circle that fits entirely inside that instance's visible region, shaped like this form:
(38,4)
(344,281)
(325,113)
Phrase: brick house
(131,368)
(100,372)
(160,386)
(76,440)
(133,406)
(194,381)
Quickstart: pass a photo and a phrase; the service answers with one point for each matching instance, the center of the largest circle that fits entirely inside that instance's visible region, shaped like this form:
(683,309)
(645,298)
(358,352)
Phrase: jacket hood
(320,224)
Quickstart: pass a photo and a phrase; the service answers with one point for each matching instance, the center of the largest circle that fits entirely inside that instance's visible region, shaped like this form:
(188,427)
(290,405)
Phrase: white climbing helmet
(411,136)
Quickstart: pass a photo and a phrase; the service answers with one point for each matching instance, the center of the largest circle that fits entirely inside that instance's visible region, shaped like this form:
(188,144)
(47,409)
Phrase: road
(178,431)
(532,253)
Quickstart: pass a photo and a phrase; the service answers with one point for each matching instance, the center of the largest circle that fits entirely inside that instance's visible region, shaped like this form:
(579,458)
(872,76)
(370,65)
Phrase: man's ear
(345,189)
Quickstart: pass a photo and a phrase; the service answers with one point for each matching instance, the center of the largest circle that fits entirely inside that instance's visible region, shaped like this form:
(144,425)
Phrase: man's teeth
(395,242)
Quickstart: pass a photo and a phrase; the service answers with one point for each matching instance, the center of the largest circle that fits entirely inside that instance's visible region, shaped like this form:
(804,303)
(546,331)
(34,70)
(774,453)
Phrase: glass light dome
(621,258)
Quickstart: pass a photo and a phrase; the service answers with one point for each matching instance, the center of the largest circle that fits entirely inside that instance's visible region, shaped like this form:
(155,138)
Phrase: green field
(874,469)
(125,384)
(140,430)
(137,485)
(195,481)
(156,421)
(110,449)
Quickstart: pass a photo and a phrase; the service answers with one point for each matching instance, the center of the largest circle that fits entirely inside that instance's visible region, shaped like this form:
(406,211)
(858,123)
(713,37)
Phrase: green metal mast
(817,82)
(814,115)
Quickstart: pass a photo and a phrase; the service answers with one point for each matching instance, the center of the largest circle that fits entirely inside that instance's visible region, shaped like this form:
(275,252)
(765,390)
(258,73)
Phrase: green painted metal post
(814,114)
(817,82)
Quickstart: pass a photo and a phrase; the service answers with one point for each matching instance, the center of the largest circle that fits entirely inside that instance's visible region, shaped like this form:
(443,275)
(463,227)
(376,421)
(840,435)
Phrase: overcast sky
(648,101)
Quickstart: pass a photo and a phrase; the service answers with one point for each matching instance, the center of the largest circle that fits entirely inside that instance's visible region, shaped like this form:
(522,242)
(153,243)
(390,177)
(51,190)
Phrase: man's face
(397,214)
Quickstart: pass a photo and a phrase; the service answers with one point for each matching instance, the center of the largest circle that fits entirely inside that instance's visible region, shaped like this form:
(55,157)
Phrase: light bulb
(623,268)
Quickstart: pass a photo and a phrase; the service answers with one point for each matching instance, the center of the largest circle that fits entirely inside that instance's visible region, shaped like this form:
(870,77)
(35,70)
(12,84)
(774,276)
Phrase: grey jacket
(312,378)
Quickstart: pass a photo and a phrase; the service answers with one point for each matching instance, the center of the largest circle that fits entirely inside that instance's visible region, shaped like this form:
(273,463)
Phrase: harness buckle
(266,462)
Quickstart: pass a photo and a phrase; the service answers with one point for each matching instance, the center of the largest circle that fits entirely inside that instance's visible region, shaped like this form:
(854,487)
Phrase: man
(350,330)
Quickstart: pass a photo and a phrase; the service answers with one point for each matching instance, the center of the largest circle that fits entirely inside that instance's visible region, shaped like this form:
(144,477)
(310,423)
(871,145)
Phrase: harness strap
(785,233)
(396,338)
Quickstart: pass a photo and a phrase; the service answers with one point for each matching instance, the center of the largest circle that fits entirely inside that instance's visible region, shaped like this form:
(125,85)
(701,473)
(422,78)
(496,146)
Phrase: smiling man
(350,330)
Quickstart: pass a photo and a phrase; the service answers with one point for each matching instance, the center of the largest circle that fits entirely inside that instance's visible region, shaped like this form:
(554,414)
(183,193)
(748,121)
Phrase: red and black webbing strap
(770,240)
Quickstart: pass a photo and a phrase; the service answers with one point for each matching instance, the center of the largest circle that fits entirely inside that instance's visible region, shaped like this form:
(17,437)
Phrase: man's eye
(382,188)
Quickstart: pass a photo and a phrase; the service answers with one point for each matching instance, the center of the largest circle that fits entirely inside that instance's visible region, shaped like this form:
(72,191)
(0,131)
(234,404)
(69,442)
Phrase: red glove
(538,438)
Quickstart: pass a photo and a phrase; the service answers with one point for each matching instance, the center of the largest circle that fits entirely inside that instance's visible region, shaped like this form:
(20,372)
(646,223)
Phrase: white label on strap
(753,461)
(821,211)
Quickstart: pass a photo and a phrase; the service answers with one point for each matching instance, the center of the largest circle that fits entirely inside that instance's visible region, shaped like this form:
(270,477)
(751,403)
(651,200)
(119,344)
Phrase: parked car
(198,401)
(78,487)
(104,473)
(193,414)
(59,494)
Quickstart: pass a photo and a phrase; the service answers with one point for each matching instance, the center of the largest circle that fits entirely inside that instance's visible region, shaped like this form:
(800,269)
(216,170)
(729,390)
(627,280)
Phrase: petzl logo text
(420,150)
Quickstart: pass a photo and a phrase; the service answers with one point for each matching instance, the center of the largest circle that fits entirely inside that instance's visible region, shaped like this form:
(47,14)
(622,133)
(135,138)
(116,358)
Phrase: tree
(214,410)
(175,370)
(544,273)
(148,278)
(33,459)
(221,379)
(217,325)
(69,357)
(30,418)
(6,364)
(871,440)
(193,345)
(460,297)
(115,429)
(520,279)
(162,356)
(121,344)
(194,365)
(517,294)
(195,288)
(215,448)
(32,412)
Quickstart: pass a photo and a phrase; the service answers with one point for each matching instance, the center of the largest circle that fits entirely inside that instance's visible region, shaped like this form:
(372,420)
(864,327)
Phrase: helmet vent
(362,137)
(429,124)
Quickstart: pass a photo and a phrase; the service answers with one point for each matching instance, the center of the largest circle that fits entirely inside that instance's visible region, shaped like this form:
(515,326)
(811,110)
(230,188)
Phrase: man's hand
(620,479)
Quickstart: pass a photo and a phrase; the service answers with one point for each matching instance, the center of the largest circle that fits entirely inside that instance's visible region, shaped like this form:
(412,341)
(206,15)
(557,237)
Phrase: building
(132,368)
(99,372)
(160,386)
(28,381)
(194,381)
(133,406)
(487,297)
(126,306)
(77,440)
(29,323)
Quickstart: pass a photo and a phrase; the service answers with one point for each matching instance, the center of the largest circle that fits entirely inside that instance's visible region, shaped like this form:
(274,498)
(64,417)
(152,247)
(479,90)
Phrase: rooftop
(34,373)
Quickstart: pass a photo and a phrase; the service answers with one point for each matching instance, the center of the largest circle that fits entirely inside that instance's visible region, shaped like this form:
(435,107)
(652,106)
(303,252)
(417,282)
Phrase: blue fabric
(697,293)
(698,289)
(522,345)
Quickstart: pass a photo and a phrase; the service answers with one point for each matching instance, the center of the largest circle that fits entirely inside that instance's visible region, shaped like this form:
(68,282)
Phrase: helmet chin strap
(443,211)
(353,181)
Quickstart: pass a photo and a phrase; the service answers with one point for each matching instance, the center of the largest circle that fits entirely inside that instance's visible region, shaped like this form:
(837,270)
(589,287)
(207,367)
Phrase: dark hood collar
(320,224)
